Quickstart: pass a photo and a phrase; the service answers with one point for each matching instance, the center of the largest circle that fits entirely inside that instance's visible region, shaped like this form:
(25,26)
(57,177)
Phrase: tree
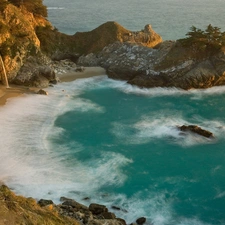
(209,41)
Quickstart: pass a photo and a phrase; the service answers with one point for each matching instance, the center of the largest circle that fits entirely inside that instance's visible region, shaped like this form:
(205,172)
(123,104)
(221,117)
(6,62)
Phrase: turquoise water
(148,159)
(170,18)
(119,145)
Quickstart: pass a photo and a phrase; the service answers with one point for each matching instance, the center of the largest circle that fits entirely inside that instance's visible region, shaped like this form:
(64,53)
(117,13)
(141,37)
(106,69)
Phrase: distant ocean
(169,18)
(119,144)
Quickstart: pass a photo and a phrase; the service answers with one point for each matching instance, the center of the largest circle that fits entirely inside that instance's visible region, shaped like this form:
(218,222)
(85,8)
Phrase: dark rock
(116,208)
(108,215)
(196,129)
(122,221)
(97,209)
(42,92)
(47,72)
(44,202)
(80,69)
(74,204)
(54,81)
(62,56)
(141,220)
(63,199)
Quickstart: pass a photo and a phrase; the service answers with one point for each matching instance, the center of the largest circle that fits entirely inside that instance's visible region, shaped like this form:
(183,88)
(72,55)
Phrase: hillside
(28,42)
(19,210)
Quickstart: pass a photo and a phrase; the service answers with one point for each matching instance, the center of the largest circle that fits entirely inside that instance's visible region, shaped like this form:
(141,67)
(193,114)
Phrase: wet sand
(14,90)
(88,72)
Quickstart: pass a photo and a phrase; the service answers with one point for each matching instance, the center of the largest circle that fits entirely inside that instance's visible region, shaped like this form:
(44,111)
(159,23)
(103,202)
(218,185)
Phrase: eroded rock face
(110,32)
(35,73)
(168,65)
(18,39)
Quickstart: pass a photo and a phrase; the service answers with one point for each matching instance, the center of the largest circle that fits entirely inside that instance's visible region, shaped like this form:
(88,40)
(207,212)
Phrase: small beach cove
(87,139)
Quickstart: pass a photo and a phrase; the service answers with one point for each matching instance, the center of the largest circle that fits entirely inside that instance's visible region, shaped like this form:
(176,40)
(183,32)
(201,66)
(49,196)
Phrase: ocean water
(119,145)
(171,19)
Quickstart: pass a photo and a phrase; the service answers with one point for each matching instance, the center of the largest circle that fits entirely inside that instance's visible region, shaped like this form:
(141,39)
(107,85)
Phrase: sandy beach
(11,92)
(88,72)
(14,90)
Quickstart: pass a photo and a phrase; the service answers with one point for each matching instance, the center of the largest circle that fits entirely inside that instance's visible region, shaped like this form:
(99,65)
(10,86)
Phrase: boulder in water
(141,220)
(196,129)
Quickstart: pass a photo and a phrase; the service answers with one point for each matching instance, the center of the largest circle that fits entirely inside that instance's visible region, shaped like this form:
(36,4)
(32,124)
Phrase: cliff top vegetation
(33,6)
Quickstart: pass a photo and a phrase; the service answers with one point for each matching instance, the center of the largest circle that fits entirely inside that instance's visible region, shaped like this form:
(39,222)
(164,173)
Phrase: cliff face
(110,32)
(168,65)
(28,43)
(18,39)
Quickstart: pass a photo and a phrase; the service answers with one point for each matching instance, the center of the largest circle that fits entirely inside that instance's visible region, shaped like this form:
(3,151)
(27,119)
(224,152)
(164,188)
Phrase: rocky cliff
(110,32)
(19,42)
(29,43)
(169,64)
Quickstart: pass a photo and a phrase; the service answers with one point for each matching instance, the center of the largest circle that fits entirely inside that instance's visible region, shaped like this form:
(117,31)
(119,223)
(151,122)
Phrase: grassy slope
(19,210)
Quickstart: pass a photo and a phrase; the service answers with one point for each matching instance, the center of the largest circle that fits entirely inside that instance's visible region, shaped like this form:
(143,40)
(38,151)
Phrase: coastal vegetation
(204,42)
(19,210)
(33,6)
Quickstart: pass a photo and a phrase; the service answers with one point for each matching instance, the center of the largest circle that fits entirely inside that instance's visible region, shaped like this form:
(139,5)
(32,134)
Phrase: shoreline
(17,90)
(88,72)
(64,212)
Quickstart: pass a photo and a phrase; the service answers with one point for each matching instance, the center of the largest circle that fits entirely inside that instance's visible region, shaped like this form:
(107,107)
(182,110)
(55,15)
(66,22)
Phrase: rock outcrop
(110,32)
(20,210)
(197,130)
(18,38)
(28,44)
(167,65)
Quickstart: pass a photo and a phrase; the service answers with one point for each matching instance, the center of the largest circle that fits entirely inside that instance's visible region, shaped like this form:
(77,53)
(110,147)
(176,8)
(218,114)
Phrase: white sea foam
(123,86)
(55,8)
(160,126)
(29,162)
(35,166)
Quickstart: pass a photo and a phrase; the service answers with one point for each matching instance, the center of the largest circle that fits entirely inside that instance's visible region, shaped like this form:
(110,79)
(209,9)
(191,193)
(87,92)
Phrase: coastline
(13,91)
(51,211)
(86,73)
(16,90)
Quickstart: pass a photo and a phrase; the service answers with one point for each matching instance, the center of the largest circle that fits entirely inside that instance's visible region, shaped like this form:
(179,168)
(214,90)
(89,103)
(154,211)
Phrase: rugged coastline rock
(20,210)
(30,45)
(167,65)
(110,32)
